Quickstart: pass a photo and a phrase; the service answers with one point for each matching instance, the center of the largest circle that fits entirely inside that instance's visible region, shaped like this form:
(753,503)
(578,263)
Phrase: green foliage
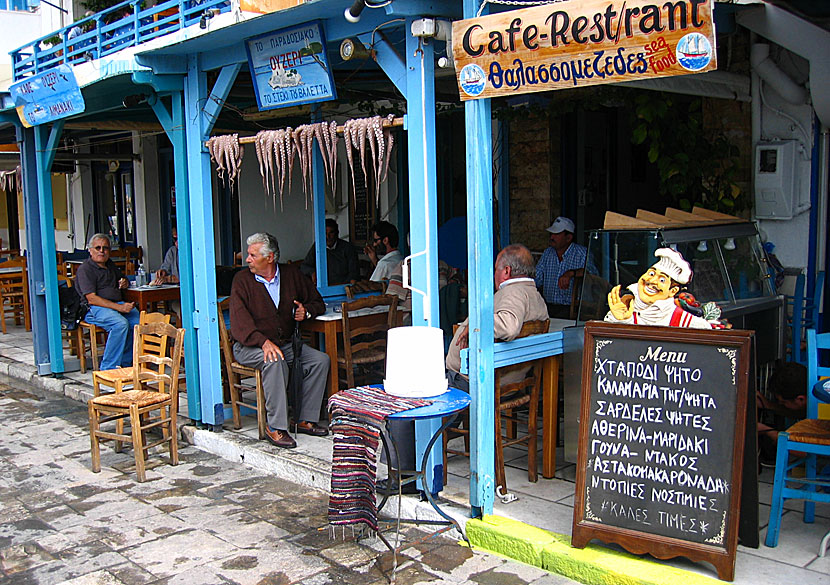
(696,166)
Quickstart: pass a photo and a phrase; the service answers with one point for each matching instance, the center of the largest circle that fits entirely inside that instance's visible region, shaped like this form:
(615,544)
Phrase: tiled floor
(548,504)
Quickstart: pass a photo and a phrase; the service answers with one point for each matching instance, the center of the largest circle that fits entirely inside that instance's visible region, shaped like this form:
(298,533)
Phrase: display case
(729,267)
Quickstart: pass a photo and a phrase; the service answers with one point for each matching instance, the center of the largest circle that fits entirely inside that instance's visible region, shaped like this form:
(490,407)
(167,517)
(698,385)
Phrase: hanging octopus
(226,152)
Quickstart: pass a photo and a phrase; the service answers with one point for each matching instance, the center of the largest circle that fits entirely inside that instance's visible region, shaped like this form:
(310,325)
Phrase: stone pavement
(205,521)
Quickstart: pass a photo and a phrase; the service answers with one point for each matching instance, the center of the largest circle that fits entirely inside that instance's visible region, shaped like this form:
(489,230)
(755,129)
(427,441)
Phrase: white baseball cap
(561,224)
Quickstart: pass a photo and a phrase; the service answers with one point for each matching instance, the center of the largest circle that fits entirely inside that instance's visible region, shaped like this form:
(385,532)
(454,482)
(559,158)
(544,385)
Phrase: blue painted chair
(810,437)
(804,313)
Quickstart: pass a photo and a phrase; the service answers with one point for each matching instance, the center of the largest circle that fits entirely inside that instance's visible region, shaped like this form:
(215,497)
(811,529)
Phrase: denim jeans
(119,327)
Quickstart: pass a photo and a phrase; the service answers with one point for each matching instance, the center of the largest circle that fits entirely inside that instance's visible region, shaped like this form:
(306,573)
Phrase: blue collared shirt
(272,286)
(550,268)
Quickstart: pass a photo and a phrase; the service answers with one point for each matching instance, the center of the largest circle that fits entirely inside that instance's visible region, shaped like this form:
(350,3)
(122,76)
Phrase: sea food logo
(694,51)
(473,80)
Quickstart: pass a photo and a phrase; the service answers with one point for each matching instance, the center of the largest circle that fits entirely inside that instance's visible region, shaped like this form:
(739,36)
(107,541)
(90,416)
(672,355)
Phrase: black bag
(73,307)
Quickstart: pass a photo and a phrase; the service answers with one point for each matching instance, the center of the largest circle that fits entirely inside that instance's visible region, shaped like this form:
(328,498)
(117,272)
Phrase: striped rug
(357,417)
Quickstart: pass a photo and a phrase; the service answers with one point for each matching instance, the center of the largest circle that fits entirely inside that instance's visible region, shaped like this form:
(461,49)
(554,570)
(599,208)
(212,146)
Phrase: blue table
(443,405)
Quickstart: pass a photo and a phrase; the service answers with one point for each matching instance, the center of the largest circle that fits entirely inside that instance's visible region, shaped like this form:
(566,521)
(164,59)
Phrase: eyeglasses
(377,239)
(101,248)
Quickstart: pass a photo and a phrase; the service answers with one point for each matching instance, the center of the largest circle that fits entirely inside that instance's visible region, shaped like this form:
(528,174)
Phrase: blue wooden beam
(40,240)
(32,219)
(507,353)
(199,259)
(218,95)
(423,213)
(388,58)
(480,287)
(319,208)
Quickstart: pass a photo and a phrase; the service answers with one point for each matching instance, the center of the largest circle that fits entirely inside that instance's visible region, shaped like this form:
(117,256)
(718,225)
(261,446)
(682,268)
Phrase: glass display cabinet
(729,267)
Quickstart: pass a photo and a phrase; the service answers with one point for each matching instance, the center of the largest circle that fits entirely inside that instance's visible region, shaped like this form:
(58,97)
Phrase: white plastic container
(415,362)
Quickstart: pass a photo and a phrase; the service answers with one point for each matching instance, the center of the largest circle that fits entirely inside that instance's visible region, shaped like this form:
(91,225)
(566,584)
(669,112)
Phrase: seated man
(169,269)
(383,253)
(100,281)
(342,266)
(516,301)
(265,302)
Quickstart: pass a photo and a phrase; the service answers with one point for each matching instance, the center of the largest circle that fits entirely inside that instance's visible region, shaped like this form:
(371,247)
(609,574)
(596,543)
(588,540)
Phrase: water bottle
(140,276)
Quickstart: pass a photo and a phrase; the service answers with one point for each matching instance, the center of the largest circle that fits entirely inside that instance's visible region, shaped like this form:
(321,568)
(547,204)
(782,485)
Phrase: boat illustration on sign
(472,79)
(282,77)
(694,51)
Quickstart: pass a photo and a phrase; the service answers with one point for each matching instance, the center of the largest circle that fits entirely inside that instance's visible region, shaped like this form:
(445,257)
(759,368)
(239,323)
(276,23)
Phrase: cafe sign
(582,42)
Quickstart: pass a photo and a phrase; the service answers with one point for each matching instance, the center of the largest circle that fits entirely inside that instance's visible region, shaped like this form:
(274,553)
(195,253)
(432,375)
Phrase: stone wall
(535,186)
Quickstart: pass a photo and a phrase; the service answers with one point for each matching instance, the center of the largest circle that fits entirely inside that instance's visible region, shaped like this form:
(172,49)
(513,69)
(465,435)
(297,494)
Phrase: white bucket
(415,362)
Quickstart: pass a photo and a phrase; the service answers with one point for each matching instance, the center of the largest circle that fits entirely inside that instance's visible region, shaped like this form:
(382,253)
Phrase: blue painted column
(198,261)
(319,208)
(173,123)
(28,140)
(480,287)
(423,208)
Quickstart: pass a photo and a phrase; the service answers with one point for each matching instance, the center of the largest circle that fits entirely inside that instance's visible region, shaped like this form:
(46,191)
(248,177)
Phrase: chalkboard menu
(661,441)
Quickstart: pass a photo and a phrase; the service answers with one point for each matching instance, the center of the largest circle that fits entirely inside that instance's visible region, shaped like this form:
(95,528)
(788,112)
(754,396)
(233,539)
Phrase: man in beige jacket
(516,301)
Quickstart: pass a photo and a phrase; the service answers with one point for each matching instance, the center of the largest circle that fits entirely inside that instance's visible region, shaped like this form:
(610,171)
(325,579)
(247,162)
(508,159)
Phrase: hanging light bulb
(729,244)
(702,247)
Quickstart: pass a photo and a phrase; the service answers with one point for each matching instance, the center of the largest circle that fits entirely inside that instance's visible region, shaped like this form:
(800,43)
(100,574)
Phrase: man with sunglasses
(100,281)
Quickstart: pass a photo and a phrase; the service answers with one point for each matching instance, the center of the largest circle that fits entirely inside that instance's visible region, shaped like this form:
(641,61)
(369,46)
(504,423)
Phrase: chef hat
(672,263)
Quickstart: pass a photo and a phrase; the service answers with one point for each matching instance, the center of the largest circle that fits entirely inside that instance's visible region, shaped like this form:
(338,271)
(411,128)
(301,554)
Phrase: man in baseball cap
(559,264)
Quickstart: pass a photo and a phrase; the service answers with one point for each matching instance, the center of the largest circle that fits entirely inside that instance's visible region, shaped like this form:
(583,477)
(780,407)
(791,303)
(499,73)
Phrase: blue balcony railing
(124,25)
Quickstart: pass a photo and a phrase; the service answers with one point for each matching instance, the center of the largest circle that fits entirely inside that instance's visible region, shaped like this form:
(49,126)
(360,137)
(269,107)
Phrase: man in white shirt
(383,252)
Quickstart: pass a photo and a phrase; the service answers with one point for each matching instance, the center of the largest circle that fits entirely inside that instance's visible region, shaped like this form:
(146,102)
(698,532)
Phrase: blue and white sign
(47,96)
(290,67)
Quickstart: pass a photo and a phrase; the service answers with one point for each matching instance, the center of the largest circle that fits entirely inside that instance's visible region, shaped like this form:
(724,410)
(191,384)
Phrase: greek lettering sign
(582,42)
(661,441)
(47,96)
(290,67)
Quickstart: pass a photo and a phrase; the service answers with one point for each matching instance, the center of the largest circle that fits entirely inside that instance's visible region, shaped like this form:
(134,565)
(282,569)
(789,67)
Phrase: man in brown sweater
(265,302)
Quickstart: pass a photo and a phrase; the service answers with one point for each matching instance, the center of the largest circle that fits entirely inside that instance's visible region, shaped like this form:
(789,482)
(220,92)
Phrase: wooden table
(146,297)
(330,324)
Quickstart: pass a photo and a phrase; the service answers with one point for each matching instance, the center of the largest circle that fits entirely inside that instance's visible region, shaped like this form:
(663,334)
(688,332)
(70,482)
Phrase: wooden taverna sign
(661,441)
(582,42)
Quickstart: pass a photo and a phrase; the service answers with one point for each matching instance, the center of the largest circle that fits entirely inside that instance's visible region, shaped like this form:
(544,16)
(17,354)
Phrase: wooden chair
(805,441)
(510,395)
(364,286)
(364,345)
(121,258)
(77,339)
(155,388)
(14,293)
(236,373)
(118,378)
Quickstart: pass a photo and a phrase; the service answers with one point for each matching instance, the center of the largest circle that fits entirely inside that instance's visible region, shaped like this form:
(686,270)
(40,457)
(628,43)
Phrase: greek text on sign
(48,96)
(290,67)
(582,42)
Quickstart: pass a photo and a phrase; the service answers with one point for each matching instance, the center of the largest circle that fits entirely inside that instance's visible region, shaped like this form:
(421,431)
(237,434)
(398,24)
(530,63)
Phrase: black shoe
(313,429)
(391,486)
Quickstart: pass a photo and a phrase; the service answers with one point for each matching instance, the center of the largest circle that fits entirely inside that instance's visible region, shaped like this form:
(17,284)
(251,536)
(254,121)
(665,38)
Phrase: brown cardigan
(254,318)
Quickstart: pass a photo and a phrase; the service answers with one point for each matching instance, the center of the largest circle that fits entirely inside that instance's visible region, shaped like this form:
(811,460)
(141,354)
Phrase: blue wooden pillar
(423,212)
(199,257)
(37,152)
(172,121)
(480,287)
(319,208)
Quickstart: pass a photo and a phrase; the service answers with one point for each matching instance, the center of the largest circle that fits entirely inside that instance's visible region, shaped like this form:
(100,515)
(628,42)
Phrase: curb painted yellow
(553,552)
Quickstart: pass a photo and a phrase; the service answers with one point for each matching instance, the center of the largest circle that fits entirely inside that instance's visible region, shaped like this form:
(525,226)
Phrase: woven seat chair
(119,378)
(510,396)
(364,346)
(801,445)
(235,374)
(155,388)
(14,293)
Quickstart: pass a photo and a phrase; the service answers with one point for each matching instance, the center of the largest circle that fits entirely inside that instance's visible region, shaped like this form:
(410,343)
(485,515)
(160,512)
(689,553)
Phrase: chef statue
(656,298)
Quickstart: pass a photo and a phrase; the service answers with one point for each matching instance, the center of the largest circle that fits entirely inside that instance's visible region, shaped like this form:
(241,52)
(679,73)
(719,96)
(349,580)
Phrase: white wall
(781,120)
